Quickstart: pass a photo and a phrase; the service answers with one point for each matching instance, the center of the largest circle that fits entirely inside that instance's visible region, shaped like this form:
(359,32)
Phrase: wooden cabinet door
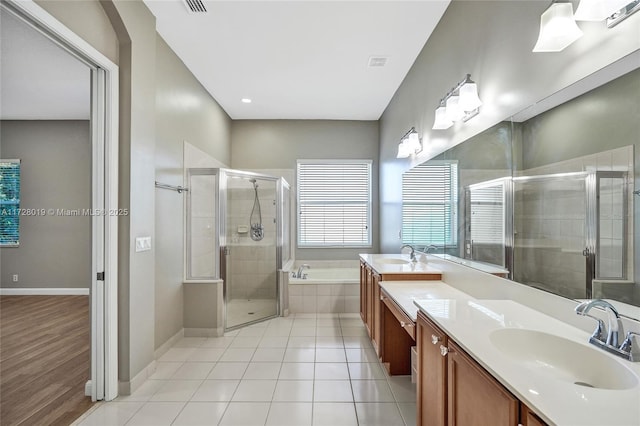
(375,299)
(474,397)
(529,418)
(363,292)
(432,374)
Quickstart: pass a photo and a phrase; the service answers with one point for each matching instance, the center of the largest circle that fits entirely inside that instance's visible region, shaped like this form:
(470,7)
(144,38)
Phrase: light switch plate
(143,244)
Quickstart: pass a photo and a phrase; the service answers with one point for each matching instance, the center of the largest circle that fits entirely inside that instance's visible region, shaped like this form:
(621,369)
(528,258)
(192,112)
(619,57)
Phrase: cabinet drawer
(404,320)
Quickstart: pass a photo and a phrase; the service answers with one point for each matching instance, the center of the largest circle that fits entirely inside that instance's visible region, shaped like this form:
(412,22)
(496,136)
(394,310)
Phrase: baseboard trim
(204,332)
(168,344)
(87,388)
(127,388)
(44,291)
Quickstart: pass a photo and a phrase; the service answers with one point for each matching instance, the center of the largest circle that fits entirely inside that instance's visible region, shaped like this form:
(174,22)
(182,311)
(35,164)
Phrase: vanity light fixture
(460,103)
(598,10)
(558,28)
(409,144)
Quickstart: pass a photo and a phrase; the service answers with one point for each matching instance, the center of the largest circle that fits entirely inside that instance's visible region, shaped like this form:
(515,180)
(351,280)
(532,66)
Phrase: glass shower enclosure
(235,224)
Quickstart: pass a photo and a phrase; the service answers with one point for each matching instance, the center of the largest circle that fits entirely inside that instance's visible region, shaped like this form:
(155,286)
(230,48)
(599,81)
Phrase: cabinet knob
(435,339)
(402,324)
(382,298)
(444,350)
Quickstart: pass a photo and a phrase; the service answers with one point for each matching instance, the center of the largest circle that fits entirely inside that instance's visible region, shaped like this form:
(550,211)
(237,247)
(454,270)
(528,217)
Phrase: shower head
(252,180)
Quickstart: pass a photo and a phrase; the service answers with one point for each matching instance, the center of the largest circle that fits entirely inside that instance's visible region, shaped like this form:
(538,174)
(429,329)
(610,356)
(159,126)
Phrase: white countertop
(376,261)
(405,292)
(470,322)
(480,266)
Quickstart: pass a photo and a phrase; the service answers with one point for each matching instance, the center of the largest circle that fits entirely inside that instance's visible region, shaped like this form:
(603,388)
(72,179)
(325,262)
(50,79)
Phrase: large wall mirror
(544,199)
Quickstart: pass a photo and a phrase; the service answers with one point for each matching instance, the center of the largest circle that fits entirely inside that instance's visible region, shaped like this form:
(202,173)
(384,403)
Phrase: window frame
(369,164)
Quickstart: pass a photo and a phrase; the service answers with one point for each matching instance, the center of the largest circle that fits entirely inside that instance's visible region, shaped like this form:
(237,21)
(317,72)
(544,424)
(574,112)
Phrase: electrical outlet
(15,278)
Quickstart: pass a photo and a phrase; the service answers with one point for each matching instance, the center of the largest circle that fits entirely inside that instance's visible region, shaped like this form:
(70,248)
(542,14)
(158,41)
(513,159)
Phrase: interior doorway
(101,215)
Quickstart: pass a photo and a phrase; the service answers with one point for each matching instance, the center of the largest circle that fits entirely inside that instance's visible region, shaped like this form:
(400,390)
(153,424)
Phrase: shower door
(249,247)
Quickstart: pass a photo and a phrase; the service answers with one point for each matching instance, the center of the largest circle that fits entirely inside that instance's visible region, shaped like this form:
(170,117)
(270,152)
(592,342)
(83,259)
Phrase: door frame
(104,130)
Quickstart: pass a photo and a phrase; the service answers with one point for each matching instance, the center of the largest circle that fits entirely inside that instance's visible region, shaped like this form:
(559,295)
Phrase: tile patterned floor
(306,369)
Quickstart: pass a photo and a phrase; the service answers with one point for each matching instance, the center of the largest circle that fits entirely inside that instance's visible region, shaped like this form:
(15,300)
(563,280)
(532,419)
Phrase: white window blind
(429,204)
(487,215)
(9,202)
(334,203)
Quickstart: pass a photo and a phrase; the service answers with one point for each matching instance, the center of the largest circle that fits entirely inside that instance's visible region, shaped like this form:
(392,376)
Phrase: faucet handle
(598,333)
(628,341)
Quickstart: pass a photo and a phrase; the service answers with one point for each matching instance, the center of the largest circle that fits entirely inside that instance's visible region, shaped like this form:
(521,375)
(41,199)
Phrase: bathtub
(325,290)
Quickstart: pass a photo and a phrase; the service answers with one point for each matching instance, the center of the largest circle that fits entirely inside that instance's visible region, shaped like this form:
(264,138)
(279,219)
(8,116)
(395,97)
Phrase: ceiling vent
(377,61)
(195,6)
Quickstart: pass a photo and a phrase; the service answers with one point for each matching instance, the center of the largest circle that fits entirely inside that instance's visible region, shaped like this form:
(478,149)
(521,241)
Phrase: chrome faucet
(300,269)
(427,248)
(613,321)
(413,252)
(627,347)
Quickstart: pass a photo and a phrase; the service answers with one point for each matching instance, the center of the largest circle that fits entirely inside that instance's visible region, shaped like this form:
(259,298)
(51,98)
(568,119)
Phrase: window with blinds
(334,203)
(429,204)
(487,214)
(9,202)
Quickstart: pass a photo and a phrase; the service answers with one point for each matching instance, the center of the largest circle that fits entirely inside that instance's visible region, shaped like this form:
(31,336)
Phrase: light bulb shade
(454,112)
(558,28)
(441,121)
(413,142)
(598,10)
(403,150)
(469,99)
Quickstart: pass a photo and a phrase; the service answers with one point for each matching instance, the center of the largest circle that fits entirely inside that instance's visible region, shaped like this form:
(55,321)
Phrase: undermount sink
(563,359)
(394,261)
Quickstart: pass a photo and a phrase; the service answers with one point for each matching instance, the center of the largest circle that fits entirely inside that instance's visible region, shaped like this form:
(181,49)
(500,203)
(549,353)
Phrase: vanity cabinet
(453,389)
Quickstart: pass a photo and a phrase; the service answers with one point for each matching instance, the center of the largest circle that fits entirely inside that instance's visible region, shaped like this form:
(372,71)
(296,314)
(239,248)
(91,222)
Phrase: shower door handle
(226,251)
(586,252)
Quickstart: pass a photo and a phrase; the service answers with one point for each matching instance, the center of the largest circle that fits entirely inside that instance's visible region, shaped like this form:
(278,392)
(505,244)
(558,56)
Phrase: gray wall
(277,144)
(200,121)
(55,250)
(492,41)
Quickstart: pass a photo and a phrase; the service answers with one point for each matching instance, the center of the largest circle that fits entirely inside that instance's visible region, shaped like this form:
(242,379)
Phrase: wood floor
(44,359)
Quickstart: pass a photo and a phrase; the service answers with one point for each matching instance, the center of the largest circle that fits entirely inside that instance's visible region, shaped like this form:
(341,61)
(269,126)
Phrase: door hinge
(100,276)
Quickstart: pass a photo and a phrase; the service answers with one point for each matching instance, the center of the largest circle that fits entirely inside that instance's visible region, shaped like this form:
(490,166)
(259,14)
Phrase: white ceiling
(299,59)
(39,80)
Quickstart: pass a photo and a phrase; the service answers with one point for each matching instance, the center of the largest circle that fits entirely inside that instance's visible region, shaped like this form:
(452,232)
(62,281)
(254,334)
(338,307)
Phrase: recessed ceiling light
(246,100)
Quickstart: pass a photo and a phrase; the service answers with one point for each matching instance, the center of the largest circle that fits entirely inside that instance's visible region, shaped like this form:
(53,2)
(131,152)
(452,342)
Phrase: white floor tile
(354,331)
(329,331)
(378,414)
(217,342)
(206,355)
(279,331)
(331,371)
(293,390)
(351,322)
(350,315)
(216,390)
(408,412)
(228,371)
(325,315)
(254,391)
(302,342)
(262,371)
(290,414)
(156,414)
(246,342)
(328,321)
(304,322)
(176,390)
(237,355)
(164,370)
(330,355)
(273,342)
(297,371)
(334,414)
(402,388)
(300,355)
(252,331)
(329,342)
(231,333)
(357,342)
(193,371)
(303,330)
(189,342)
(176,355)
(371,391)
(144,392)
(365,371)
(305,315)
(200,414)
(268,355)
(361,355)
(245,414)
(332,391)
(112,414)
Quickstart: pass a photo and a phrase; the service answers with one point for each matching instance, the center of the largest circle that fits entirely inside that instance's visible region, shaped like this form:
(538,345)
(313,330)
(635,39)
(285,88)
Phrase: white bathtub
(327,276)
(325,290)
